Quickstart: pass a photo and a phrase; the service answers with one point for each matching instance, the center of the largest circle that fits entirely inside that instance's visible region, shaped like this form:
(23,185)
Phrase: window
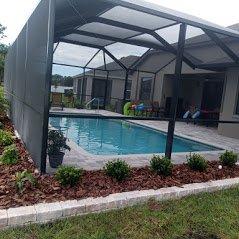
(128,89)
(145,90)
(75,81)
(237,101)
(223,94)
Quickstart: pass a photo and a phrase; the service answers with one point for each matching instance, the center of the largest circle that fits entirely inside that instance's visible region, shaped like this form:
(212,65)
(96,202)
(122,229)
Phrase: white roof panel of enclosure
(103,23)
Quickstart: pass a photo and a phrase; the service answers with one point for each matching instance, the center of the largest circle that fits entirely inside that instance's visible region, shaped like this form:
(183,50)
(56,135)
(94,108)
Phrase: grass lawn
(202,216)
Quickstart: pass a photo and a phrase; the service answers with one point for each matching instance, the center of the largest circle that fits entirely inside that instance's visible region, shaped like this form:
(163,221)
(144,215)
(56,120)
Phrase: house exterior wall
(88,91)
(75,85)
(162,87)
(155,62)
(231,91)
(117,90)
(193,90)
(136,84)
(117,87)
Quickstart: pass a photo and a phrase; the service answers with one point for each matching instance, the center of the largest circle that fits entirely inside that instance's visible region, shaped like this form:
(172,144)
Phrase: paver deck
(208,135)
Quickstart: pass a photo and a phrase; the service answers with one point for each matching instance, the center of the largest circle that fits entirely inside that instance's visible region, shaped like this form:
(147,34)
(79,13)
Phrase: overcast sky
(14,13)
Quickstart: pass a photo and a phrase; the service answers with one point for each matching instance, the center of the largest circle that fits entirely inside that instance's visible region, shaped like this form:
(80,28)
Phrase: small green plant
(68,176)
(79,105)
(10,155)
(56,142)
(4,104)
(117,169)
(1,125)
(161,165)
(229,158)
(23,178)
(197,162)
(5,138)
(69,93)
(110,108)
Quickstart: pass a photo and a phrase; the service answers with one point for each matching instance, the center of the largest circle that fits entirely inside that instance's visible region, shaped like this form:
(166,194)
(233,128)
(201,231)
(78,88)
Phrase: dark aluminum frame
(63,22)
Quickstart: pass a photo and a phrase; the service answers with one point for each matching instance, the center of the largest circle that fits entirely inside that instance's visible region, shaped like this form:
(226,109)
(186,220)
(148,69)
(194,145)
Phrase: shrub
(5,138)
(161,165)
(4,104)
(10,155)
(22,178)
(110,108)
(69,93)
(197,162)
(117,169)
(229,158)
(79,105)
(68,176)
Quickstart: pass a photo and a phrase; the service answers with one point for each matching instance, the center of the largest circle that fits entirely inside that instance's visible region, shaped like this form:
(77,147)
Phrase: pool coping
(96,162)
(48,212)
(141,123)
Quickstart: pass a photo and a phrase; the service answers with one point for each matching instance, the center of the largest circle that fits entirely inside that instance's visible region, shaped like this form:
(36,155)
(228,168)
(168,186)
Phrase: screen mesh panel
(170,34)
(88,40)
(107,30)
(27,79)
(204,49)
(146,38)
(128,23)
(136,18)
(97,61)
(73,54)
(66,70)
(120,50)
(123,28)
(161,11)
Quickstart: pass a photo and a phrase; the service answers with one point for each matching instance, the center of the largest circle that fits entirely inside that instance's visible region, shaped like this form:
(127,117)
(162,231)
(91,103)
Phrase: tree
(2,30)
(68,81)
(3,51)
(62,80)
(56,80)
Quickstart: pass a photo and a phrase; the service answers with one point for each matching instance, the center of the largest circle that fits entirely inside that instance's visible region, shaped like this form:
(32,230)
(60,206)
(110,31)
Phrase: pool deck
(207,135)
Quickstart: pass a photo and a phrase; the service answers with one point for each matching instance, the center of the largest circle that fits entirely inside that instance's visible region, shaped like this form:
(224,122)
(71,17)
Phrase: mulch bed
(94,183)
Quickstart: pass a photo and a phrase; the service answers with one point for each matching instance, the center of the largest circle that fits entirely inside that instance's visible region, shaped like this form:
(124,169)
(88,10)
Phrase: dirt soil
(93,183)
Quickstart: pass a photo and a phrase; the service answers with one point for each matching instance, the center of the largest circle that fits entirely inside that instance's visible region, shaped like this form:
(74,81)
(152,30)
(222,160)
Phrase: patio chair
(156,108)
(56,100)
(148,109)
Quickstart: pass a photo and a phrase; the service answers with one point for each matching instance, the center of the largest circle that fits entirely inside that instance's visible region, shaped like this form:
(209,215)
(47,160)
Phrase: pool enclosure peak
(71,14)
(102,25)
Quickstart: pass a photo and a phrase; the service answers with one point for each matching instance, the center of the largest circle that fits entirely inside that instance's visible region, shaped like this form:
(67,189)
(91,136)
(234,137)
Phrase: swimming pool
(117,137)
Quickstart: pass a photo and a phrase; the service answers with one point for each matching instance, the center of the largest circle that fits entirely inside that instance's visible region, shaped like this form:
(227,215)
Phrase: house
(213,90)
(95,84)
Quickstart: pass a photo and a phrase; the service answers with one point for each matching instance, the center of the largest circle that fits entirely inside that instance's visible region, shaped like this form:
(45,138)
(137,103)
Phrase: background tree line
(59,80)
(3,51)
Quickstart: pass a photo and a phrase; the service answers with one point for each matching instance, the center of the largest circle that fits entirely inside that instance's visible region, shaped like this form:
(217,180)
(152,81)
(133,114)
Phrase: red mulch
(94,183)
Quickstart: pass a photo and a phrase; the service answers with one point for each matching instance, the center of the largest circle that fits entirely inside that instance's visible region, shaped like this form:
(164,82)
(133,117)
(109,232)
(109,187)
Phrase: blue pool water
(116,137)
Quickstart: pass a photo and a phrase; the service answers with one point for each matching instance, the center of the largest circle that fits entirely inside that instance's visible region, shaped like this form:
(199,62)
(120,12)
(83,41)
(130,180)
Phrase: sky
(14,14)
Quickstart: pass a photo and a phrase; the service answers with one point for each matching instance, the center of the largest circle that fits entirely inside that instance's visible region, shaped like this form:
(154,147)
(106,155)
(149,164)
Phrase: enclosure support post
(48,79)
(106,89)
(56,47)
(125,85)
(104,60)
(82,87)
(137,86)
(91,59)
(152,96)
(176,86)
